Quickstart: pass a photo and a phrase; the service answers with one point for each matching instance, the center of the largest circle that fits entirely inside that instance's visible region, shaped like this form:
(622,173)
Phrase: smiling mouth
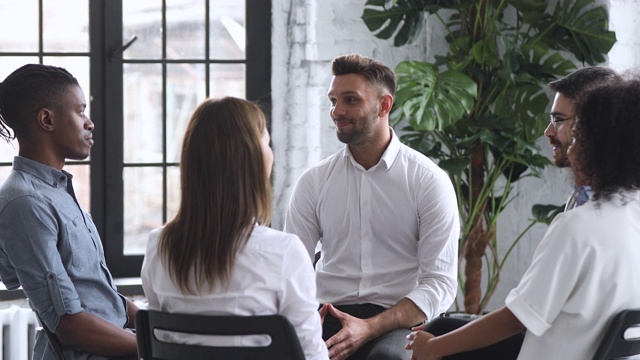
(342,124)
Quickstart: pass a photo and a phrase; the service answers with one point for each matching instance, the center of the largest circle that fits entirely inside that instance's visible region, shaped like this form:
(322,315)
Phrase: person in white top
(586,268)
(386,217)
(217,256)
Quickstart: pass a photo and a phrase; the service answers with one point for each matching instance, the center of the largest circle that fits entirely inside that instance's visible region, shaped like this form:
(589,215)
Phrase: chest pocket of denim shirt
(80,253)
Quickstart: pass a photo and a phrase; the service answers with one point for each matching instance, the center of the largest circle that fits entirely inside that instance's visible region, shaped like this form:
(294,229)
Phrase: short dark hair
(27,90)
(582,80)
(606,132)
(373,70)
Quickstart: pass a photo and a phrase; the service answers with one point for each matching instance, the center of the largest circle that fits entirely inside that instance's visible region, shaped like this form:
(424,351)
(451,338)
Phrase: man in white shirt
(568,89)
(386,217)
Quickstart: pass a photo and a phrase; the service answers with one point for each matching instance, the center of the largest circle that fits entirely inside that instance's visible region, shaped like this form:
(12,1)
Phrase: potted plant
(478,109)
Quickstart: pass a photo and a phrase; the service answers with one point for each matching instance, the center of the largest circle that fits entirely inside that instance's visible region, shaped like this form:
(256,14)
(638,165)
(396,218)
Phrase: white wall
(307,34)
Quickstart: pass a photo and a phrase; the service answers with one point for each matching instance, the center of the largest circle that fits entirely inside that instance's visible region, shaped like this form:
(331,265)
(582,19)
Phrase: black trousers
(506,349)
(389,346)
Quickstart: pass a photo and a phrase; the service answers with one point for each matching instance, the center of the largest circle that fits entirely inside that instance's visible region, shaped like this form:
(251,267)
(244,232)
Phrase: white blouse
(584,271)
(271,275)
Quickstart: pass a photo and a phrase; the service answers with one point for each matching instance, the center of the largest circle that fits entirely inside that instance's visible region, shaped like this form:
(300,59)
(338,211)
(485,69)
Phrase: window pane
(173,191)
(19,25)
(8,150)
(81,184)
(142,206)
(66,25)
(142,18)
(4,172)
(227,80)
(185,90)
(227,31)
(10,63)
(185,29)
(142,113)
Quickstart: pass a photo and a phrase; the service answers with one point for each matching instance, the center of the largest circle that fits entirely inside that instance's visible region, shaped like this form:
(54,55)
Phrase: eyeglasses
(554,120)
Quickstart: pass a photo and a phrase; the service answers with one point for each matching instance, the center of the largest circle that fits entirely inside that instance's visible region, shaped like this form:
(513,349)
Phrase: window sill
(128,287)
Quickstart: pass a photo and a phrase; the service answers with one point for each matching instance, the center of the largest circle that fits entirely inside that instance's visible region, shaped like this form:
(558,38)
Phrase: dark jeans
(506,349)
(389,346)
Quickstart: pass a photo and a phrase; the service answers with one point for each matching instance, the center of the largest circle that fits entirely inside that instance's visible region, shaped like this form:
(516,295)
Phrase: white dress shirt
(271,275)
(584,271)
(386,233)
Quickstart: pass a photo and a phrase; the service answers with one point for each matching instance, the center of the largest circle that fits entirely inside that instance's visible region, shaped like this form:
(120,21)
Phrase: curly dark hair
(27,90)
(605,153)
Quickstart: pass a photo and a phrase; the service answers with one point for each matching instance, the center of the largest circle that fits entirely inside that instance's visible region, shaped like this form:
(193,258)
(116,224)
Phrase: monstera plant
(478,108)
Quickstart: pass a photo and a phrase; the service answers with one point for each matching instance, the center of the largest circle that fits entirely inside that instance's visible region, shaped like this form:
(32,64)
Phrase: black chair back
(284,340)
(54,343)
(622,338)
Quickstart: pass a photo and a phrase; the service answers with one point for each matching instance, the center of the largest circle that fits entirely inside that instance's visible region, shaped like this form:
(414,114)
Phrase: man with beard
(568,89)
(386,217)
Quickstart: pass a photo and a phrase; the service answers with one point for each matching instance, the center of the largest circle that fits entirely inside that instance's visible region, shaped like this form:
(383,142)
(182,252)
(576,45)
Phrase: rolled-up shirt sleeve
(439,231)
(551,279)
(30,241)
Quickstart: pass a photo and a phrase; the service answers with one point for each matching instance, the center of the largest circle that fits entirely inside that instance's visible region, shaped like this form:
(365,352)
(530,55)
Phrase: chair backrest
(284,340)
(53,340)
(622,338)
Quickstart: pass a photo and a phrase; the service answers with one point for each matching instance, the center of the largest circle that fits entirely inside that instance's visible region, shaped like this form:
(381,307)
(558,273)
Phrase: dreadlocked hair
(27,90)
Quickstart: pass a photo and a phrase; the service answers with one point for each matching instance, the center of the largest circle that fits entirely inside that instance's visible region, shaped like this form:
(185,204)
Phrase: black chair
(53,340)
(284,340)
(622,338)
(54,343)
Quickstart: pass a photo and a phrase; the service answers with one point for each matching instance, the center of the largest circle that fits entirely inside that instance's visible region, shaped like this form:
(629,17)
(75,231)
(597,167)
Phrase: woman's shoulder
(269,239)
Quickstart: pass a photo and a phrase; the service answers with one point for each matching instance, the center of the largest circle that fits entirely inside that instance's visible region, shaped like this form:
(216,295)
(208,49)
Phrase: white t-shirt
(585,270)
(387,233)
(271,275)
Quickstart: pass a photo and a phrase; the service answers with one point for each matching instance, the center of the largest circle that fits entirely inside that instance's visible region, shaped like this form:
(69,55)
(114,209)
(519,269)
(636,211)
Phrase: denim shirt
(50,246)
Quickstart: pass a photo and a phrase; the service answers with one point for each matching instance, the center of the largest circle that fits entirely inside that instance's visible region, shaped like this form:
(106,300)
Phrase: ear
(386,103)
(45,119)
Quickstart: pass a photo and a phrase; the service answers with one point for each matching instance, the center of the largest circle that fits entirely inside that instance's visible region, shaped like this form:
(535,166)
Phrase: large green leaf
(545,213)
(485,52)
(431,99)
(580,28)
(403,19)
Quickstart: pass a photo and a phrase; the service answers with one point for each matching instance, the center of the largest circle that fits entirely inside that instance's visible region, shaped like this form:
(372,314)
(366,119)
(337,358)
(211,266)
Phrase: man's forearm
(487,330)
(402,315)
(95,335)
(132,309)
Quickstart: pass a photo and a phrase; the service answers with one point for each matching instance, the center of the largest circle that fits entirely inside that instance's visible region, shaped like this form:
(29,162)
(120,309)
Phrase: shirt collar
(388,157)
(51,176)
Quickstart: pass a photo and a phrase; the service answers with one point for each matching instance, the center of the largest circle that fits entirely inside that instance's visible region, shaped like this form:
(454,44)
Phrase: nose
(550,131)
(89,125)
(337,110)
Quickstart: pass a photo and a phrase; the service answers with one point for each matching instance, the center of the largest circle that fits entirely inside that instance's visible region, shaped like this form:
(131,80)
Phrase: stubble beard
(562,160)
(360,131)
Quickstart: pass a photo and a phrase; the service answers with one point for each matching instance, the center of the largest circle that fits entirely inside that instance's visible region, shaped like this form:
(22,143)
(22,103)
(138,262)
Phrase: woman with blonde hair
(218,256)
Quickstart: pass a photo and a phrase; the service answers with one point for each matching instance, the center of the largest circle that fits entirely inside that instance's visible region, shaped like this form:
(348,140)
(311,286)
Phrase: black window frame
(106,64)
